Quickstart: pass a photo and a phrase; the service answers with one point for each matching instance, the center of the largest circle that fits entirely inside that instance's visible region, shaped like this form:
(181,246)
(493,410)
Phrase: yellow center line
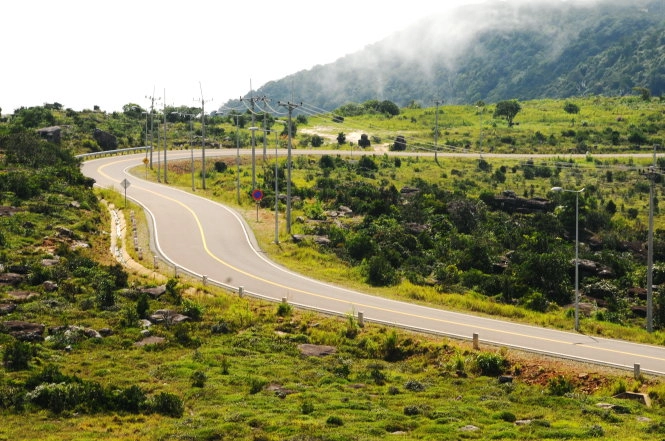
(377,308)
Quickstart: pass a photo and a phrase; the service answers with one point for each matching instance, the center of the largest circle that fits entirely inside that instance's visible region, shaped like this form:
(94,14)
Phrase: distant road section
(208,239)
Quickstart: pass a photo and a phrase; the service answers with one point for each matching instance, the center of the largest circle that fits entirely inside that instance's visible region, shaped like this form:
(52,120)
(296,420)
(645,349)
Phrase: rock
(505,379)
(51,134)
(22,296)
(150,341)
(105,139)
(155,291)
(316,350)
(469,428)
(106,332)
(642,398)
(24,331)
(50,262)
(91,333)
(7,308)
(168,316)
(11,278)
(319,240)
(143,323)
(65,232)
(50,286)
(522,422)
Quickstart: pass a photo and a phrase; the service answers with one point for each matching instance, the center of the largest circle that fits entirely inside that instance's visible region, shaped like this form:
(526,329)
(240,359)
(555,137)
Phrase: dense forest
(497,52)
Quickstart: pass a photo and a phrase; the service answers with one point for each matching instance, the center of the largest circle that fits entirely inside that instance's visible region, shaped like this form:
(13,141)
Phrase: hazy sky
(82,53)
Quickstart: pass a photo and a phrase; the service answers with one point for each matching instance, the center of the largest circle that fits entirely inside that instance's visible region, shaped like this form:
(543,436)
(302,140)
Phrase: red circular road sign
(257,195)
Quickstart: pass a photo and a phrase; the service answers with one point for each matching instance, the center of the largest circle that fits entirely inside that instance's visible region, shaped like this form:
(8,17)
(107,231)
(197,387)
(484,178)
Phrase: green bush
(559,386)
(334,421)
(414,386)
(17,355)
(506,416)
(167,404)
(491,364)
(198,379)
(307,407)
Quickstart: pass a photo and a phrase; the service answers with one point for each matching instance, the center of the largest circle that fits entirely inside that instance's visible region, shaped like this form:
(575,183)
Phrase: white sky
(82,53)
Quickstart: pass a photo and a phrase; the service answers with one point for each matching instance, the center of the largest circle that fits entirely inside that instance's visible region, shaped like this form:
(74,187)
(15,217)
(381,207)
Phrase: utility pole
(252,100)
(436,131)
(203,139)
(152,113)
(290,107)
(165,139)
(652,175)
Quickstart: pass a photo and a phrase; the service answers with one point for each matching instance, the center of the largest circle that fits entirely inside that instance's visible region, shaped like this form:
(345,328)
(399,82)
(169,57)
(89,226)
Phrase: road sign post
(257,195)
(125,183)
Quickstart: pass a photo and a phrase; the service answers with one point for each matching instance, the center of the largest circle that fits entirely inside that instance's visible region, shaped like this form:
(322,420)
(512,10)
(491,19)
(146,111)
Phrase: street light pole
(238,159)
(577,250)
(276,192)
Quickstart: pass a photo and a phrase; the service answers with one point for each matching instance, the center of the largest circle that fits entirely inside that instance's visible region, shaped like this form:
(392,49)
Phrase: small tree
(571,108)
(364,141)
(341,138)
(400,144)
(317,141)
(17,355)
(508,110)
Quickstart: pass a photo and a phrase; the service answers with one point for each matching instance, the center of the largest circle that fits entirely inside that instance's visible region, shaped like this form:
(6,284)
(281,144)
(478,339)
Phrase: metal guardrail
(104,153)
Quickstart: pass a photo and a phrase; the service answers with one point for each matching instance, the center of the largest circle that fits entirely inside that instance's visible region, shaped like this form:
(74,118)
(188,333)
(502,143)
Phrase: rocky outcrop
(509,202)
(24,331)
(168,317)
(105,140)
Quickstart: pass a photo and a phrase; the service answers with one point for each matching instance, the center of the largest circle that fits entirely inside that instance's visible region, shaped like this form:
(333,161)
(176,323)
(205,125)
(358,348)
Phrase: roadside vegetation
(109,355)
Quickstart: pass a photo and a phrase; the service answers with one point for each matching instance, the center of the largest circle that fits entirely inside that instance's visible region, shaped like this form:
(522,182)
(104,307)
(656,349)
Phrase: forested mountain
(498,51)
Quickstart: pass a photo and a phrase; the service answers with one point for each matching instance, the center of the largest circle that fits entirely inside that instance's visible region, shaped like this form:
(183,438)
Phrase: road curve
(208,239)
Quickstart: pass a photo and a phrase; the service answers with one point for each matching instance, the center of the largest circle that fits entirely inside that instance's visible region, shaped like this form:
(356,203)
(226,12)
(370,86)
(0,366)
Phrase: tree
(571,108)
(508,110)
(341,138)
(400,144)
(317,141)
(364,141)
(389,108)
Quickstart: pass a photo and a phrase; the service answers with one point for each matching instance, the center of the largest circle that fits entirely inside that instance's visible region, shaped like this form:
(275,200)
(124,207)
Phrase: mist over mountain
(496,51)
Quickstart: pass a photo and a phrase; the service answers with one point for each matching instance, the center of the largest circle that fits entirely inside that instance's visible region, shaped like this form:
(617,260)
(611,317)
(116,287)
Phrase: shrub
(17,355)
(167,404)
(284,309)
(506,416)
(220,166)
(490,364)
(559,386)
(131,399)
(307,407)
(256,385)
(411,410)
(192,309)
(414,386)
(334,421)
(198,378)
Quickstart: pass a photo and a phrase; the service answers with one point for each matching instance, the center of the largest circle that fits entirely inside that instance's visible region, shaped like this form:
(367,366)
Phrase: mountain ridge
(496,52)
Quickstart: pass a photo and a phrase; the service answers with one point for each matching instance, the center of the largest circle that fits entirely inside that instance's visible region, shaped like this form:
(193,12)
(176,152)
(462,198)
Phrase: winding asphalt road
(208,239)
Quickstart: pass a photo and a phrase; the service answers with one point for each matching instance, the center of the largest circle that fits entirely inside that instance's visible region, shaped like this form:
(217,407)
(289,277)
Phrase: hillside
(92,349)
(497,51)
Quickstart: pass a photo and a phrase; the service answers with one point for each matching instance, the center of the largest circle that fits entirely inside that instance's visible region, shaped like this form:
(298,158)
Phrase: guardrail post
(636,371)
(241,291)
(204,279)
(476,345)
(284,300)
(175,271)
(361,319)
(154,262)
